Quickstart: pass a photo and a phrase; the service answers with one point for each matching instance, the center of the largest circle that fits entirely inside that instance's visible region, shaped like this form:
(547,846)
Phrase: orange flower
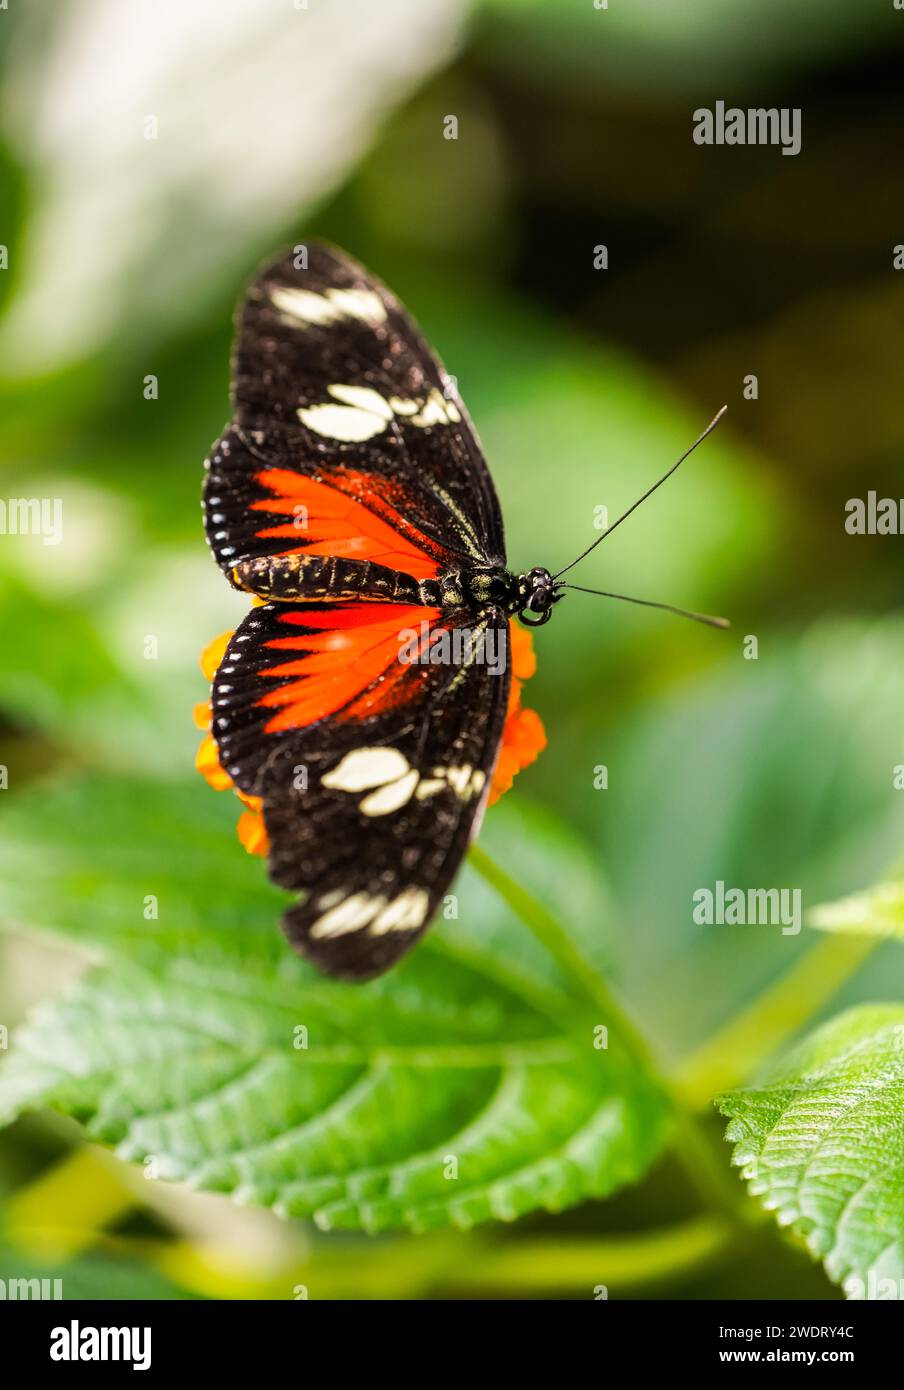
(523,738)
(524,658)
(213,654)
(207,761)
(252,832)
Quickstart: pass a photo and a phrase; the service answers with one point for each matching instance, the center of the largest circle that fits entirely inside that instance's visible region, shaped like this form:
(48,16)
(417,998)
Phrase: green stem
(444,1265)
(780,1011)
(711,1179)
(560,946)
(571,1263)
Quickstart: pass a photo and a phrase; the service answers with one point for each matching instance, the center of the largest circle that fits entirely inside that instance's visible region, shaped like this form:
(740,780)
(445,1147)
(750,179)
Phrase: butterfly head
(535,594)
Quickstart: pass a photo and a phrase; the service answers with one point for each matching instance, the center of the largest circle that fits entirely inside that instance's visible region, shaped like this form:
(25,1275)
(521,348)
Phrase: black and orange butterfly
(351,495)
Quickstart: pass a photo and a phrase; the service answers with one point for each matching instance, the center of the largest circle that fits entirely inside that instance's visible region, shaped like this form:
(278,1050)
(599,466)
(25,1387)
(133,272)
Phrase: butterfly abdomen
(328,577)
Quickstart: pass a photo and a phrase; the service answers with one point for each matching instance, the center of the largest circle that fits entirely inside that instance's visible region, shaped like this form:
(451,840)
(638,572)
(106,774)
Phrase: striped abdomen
(329,577)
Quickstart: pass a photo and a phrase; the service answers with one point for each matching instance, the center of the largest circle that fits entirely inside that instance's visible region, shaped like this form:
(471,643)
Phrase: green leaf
(821,1143)
(769,773)
(76,672)
(183,1048)
(877,912)
(89,1276)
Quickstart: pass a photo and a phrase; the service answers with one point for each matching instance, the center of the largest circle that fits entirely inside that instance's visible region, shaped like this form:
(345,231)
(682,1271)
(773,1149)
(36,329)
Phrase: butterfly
(351,498)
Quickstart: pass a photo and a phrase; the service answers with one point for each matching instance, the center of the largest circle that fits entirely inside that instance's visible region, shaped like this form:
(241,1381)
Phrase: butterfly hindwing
(372,770)
(307,682)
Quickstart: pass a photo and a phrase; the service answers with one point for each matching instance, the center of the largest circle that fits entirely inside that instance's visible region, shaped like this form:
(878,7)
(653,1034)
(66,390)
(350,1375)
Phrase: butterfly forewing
(334,385)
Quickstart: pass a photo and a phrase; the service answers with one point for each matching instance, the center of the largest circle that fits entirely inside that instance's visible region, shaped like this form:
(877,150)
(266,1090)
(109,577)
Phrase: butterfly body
(331,577)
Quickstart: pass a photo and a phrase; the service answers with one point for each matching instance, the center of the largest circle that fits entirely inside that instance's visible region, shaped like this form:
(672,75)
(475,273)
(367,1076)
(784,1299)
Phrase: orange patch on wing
(332,519)
(354,648)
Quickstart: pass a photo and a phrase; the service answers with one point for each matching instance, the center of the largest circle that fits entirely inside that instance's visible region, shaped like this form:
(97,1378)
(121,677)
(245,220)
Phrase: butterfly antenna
(609,529)
(648,603)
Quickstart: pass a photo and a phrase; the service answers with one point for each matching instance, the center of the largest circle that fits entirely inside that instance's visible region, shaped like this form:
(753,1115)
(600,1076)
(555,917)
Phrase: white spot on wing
(466,781)
(350,915)
(304,305)
(391,797)
(428,787)
(364,412)
(433,411)
(359,304)
(343,422)
(363,398)
(459,777)
(404,913)
(324,309)
(366,767)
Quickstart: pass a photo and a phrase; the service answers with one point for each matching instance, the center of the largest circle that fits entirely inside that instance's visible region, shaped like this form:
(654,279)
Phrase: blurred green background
(275,124)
